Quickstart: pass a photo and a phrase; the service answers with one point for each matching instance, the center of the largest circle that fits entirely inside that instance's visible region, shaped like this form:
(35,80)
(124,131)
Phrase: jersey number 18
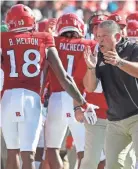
(27,63)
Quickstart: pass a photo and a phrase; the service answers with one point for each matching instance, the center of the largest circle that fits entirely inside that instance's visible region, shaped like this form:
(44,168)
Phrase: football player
(3,28)
(70,45)
(40,162)
(24,52)
(47,25)
(121,20)
(132,27)
(93,22)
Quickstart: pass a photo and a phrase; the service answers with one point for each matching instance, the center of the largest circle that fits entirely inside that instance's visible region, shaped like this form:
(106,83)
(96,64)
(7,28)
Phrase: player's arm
(65,80)
(45,72)
(78,115)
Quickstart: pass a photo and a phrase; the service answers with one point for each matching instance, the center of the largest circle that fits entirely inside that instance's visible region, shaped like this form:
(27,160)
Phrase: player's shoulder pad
(59,38)
(47,38)
(89,42)
(6,34)
(45,35)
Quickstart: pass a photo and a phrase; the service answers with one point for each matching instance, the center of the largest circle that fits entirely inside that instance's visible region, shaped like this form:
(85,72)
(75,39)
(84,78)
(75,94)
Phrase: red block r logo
(18,114)
(68,114)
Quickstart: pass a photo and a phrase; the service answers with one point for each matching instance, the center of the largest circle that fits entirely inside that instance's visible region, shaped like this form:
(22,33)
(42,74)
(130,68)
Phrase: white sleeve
(99,88)
(1,79)
(96,49)
(102,158)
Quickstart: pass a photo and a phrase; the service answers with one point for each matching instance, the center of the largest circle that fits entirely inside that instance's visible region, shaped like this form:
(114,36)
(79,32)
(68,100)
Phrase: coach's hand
(90,59)
(112,57)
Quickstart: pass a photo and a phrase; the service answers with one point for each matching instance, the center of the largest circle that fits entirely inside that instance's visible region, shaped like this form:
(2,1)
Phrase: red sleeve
(93,45)
(82,67)
(80,86)
(80,70)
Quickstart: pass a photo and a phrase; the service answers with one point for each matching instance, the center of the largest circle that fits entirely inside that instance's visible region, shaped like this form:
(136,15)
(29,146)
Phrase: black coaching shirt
(120,89)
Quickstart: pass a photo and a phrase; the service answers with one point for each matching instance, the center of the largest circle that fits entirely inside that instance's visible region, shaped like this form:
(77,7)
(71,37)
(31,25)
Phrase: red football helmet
(120,19)
(98,19)
(70,22)
(20,18)
(132,17)
(132,29)
(95,19)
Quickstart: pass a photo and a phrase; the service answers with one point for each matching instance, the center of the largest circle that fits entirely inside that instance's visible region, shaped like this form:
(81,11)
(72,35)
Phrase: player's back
(71,53)
(23,55)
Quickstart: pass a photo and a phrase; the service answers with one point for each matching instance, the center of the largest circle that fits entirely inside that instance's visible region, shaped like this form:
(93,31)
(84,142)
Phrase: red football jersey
(71,53)
(23,56)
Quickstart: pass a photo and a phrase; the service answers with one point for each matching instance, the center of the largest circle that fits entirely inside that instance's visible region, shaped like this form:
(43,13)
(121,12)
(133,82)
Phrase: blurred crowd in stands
(83,8)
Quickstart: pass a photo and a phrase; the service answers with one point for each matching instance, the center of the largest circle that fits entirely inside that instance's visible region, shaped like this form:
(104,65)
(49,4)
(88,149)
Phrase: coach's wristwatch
(120,63)
(91,68)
